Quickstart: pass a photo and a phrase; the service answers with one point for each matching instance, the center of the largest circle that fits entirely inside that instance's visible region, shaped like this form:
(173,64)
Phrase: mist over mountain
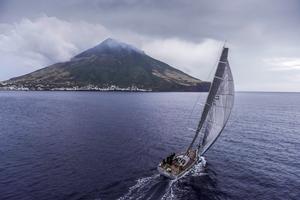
(111,65)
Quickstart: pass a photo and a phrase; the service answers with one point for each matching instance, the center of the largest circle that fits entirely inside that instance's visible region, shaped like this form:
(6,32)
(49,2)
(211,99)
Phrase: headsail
(218,105)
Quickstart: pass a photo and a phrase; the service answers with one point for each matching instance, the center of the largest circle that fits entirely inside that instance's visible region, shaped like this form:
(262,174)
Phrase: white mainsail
(218,105)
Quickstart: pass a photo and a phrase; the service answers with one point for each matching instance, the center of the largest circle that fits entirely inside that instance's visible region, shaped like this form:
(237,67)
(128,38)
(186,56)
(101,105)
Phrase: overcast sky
(263,35)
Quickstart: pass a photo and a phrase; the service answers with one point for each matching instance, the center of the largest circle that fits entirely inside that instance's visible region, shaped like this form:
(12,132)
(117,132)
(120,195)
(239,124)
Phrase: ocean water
(93,145)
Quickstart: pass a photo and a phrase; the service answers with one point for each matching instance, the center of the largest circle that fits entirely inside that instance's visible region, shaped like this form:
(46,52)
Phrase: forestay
(218,105)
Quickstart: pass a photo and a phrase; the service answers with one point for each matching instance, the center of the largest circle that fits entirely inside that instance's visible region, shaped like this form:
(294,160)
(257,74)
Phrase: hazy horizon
(263,36)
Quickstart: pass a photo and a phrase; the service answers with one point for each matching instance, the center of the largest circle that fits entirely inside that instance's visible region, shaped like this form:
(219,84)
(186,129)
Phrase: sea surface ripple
(106,145)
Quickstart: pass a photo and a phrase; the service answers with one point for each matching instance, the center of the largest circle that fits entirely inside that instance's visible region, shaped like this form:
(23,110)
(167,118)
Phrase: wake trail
(147,188)
(157,187)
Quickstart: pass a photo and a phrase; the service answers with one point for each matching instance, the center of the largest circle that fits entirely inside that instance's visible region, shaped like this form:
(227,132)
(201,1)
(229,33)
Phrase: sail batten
(218,105)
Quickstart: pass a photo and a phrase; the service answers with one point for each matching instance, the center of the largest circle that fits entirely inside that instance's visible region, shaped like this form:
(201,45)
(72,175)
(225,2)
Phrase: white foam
(169,195)
(143,187)
(138,190)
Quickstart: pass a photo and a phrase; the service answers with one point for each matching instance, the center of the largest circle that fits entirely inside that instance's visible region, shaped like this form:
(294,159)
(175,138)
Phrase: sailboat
(215,114)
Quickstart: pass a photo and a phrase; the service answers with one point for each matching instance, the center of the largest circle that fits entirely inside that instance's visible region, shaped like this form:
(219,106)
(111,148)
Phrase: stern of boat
(165,173)
(175,165)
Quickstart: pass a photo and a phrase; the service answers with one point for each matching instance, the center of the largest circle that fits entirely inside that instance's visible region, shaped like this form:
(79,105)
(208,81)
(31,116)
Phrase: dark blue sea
(106,145)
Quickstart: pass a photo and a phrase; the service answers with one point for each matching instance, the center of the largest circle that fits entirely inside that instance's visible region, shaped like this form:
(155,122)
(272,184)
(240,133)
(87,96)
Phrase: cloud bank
(193,58)
(32,44)
(284,64)
(263,36)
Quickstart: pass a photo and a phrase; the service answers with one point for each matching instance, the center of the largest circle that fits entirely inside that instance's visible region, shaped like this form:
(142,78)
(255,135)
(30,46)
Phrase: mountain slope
(110,63)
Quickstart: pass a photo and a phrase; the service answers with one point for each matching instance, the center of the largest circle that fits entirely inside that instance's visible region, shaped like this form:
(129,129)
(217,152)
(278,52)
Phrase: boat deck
(175,168)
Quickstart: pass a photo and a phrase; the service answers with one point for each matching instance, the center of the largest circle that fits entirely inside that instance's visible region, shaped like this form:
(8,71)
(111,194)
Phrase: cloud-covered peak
(114,44)
(110,41)
(109,46)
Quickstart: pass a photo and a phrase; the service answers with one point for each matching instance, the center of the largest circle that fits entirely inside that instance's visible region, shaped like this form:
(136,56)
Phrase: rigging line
(208,78)
(185,113)
(193,108)
(216,62)
(212,69)
(198,97)
(188,119)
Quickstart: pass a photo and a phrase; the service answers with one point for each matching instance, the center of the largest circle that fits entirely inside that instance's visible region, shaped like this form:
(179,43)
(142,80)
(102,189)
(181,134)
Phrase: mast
(218,102)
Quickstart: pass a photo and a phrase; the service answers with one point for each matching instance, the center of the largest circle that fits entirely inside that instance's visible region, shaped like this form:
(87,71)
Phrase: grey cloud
(193,19)
(255,29)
